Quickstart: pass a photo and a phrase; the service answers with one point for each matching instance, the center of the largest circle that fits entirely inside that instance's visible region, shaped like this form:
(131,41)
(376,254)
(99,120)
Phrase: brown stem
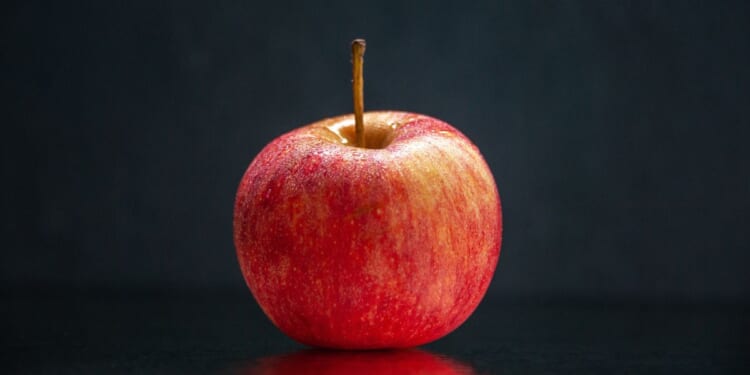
(358,52)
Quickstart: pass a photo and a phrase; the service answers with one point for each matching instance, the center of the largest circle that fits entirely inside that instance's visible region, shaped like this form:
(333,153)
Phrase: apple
(368,230)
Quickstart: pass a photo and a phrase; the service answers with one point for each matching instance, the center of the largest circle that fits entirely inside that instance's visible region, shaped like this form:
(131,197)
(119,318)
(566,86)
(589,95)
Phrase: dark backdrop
(616,131)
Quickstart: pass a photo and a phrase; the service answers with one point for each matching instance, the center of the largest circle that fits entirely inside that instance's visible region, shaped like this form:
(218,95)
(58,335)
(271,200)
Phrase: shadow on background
(324,362)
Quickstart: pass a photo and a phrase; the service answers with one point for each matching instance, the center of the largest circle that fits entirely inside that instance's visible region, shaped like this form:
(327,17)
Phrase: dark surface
(617,131)
(212,332)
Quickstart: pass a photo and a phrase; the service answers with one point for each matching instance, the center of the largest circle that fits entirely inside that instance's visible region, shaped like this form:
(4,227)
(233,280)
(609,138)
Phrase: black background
(616,132)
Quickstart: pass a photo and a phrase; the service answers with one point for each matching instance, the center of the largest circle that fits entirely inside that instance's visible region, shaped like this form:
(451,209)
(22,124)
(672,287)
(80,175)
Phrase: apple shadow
(331,362)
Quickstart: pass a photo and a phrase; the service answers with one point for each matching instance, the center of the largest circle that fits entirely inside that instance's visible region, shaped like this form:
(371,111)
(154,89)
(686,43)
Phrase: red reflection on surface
(322,362)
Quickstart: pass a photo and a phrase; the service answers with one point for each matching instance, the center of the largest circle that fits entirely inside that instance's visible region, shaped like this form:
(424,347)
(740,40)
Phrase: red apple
(386,237)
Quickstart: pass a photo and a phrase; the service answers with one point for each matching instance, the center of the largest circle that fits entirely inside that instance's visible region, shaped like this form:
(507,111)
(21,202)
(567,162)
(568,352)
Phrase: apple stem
(358,52)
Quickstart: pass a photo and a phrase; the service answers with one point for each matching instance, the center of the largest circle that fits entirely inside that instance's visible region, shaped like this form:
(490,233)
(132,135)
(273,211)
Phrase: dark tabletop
(223,332)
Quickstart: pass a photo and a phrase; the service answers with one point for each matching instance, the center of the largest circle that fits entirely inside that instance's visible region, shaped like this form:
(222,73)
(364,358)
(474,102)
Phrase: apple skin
(347,247)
